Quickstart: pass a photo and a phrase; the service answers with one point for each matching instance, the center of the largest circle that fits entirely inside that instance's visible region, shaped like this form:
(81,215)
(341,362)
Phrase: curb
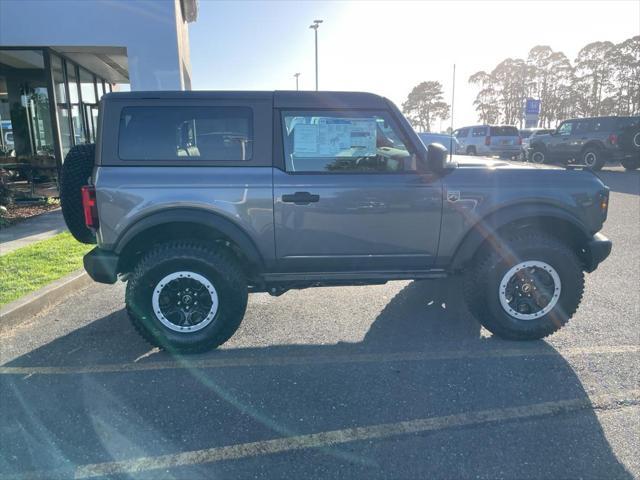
(25,308)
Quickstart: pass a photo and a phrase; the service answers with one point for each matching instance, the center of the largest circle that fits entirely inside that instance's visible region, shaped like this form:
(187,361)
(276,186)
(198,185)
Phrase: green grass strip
(34,266)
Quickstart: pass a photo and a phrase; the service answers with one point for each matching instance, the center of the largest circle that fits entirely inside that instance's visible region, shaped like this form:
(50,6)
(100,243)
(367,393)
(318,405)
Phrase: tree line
(604,79)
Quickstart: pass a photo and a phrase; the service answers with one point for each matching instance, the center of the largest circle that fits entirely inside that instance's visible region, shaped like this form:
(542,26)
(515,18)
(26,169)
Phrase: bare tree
(604,80)
(486,102)
(594,69)
(425,105)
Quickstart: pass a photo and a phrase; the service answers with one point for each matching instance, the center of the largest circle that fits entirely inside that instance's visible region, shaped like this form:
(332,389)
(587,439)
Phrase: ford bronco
(198,198)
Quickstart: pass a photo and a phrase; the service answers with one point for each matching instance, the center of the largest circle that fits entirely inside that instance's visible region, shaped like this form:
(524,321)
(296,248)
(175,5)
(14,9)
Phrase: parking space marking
(264,361)
(372,432)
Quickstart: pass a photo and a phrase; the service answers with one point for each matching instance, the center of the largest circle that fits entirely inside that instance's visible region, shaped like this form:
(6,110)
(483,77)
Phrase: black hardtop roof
(603,117)
(280,98)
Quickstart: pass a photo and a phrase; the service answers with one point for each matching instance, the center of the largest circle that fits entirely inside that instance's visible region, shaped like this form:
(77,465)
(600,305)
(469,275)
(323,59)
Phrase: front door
(350,196)
(559,146)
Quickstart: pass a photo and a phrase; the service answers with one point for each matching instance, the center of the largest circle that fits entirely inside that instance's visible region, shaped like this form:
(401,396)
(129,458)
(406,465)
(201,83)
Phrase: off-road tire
(538,155)
(482,283)
(631,163)
(76,170)
(219,266)
(593,158)
(629,141)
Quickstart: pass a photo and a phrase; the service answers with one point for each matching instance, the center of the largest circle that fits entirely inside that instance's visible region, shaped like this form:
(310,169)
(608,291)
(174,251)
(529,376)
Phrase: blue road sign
(532,107)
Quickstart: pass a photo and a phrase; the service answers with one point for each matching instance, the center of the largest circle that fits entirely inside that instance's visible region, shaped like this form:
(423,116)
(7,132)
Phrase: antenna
(453,97)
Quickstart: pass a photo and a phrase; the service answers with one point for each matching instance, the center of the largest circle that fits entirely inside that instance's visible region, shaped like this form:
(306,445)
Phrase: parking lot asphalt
(390,381)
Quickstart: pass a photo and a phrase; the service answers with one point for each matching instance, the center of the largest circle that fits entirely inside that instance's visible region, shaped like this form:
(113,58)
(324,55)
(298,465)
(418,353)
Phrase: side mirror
(436,157)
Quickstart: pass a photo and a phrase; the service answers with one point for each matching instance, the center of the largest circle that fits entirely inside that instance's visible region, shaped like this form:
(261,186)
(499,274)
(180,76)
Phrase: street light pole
(296,75)
(315,25)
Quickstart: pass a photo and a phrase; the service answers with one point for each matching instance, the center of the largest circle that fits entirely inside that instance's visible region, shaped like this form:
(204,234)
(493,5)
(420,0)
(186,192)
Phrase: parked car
(196,199)
(489,140)
(448,141)
(527,134)
(591,141)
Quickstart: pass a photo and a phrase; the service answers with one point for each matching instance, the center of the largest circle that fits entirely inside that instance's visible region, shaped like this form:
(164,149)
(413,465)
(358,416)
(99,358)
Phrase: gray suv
(198,198)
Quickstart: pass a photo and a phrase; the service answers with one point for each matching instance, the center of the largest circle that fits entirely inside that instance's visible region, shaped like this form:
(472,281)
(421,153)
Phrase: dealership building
(57,58)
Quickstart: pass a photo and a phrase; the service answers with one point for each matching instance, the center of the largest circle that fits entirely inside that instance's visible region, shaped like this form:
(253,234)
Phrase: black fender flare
(538,145)
(196,216)
(597,144)
(520,214)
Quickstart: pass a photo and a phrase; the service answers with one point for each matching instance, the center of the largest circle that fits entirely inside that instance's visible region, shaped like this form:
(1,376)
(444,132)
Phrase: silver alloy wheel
(530,290)
(185,301)
(537,157)
(590,159)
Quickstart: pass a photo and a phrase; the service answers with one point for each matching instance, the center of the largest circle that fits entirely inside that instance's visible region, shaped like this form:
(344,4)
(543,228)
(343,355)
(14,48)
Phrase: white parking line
(335,437)
(265,361)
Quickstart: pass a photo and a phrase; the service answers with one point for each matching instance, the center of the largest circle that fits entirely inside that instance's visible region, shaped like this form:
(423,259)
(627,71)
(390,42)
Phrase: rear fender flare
(205,218)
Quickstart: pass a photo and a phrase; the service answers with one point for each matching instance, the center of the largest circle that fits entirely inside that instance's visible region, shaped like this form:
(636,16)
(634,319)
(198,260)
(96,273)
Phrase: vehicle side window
(583,126)
(565,128)
(343,142)
(462,133)
(479,132)
(186,133)
(602,125)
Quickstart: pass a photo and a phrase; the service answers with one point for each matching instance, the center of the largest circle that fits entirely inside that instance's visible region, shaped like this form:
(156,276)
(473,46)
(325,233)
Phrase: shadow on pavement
(621,182)
(60,421)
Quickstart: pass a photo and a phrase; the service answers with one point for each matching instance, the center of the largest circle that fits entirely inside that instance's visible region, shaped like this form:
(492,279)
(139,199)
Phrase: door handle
(301,198)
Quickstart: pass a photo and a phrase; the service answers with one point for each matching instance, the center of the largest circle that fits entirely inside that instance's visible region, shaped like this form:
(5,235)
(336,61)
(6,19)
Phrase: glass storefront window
(61,104)
(87,87)
(26,123)
(74,98)
(78,127)
(73,83)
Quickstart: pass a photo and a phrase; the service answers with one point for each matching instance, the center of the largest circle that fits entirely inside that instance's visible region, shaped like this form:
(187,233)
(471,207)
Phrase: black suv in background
(590,141)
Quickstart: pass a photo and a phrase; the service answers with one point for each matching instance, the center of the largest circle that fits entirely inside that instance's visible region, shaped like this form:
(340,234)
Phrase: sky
(388,47)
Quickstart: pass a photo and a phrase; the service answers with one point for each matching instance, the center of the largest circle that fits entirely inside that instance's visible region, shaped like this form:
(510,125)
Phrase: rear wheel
(592,157)
(631,164)
(186,297)
(471,151)
(528,289)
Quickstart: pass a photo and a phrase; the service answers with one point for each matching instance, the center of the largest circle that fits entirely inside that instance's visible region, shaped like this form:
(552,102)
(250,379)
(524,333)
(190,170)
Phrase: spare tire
(629,141)
(76,170)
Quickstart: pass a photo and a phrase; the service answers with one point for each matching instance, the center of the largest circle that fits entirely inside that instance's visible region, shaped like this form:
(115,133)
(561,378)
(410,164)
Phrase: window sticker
(336,137)
(305,139)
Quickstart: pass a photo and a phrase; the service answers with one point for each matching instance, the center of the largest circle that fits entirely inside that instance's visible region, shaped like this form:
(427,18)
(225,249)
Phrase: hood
(465,161)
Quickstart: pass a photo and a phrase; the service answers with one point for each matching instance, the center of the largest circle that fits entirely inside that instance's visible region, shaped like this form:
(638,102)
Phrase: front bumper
(101,265)
(597,249)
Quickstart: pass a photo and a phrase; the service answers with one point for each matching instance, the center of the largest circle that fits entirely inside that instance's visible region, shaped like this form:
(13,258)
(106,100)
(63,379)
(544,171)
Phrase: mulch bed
(17,213)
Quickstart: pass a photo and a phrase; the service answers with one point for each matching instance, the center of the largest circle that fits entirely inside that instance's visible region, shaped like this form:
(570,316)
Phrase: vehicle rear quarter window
(504,132)
(186,133)
(343,142)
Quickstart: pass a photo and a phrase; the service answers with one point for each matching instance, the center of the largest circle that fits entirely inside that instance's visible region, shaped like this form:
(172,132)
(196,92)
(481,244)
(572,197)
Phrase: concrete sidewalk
(31,230)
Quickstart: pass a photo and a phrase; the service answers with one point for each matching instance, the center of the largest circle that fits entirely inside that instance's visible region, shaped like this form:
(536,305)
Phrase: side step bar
(331,277)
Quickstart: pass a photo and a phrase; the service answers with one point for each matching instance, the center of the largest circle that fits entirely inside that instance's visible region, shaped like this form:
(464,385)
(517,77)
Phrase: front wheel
(593,159)
(538,156)
(631,164)
(527,289)
(186,297)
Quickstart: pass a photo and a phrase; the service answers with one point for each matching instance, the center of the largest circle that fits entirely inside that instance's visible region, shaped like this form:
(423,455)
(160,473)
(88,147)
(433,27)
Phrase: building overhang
(109,63)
